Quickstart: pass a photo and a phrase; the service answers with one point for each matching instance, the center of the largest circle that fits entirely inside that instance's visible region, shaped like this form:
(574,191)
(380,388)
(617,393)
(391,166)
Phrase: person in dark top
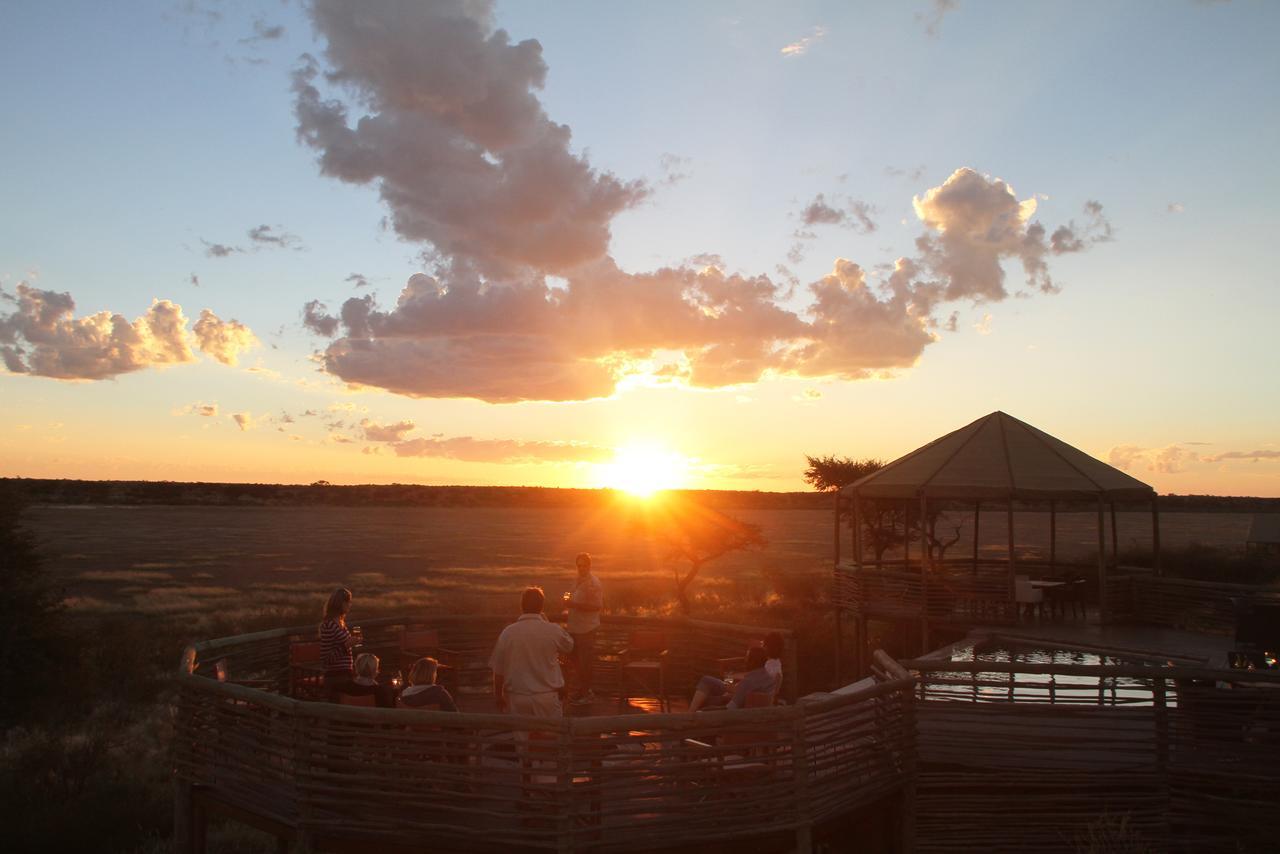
(336,643)
(713,692)
(423,690)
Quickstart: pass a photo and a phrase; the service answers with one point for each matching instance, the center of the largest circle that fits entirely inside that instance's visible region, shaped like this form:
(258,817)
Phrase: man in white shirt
(585,604)
(526,661)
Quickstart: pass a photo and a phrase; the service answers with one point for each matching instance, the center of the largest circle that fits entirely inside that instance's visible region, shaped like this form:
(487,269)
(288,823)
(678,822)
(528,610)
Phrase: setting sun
(643,470)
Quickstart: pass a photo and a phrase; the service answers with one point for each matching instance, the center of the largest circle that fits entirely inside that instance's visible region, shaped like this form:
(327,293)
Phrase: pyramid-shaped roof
(999,456)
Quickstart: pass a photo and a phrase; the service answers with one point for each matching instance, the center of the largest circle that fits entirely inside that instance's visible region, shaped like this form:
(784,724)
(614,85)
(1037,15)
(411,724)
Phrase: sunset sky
(563,244)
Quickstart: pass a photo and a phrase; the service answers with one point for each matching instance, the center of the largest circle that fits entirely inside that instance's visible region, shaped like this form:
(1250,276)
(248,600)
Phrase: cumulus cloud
(801,46)
(244,420)
(467,449)
(224,340)
(43,337)
(1254,456)
(522,300)
(316,318)
(453,135)
(1176,207)
(374,432)
(357,280)
(978,222)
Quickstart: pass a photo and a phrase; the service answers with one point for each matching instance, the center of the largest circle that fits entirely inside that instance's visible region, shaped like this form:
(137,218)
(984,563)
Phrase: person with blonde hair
(337,643)
(423,690)
(365,682)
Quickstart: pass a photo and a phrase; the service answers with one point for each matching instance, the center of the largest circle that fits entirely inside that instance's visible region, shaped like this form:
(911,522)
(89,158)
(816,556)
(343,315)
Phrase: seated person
(715,692)
(423,690)
(366,683)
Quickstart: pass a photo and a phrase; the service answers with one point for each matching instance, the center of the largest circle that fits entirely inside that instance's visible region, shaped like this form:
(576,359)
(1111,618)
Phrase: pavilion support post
(1115,538)
(1053,537)
(1103,614)
(1013,562)
(836,548)
(906,534)
(974,598)
(926,564)
(977,512)
(857,532)
(1155,534)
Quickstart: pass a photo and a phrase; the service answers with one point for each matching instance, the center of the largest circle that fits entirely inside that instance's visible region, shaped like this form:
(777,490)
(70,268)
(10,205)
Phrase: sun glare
(643,470)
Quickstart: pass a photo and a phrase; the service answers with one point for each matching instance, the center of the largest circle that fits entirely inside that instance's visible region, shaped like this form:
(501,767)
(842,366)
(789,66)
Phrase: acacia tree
(694,535)
(885,524)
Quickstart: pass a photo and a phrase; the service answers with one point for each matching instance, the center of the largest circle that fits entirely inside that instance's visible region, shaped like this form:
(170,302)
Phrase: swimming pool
(1075,687)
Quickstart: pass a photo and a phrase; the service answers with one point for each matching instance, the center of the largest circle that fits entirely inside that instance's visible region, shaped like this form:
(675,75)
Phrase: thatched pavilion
(994,462)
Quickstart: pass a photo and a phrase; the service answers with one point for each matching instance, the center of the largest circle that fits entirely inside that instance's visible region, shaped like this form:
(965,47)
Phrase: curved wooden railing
(1182,603)
(326,774)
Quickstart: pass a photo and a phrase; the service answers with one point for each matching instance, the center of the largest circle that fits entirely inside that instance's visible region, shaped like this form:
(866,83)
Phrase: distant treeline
(129,492)
(141,492)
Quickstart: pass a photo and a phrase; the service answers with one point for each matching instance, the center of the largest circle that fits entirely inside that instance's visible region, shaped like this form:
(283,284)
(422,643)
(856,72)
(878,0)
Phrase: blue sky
(140,136)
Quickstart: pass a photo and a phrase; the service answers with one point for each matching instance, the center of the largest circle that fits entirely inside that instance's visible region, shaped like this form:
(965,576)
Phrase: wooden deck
(331,777)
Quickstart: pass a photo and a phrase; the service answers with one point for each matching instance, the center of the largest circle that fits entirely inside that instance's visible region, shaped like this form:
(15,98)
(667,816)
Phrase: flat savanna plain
(244,563)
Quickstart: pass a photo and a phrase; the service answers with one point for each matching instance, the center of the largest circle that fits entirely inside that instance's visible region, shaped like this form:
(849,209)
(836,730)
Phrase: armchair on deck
(306,672)
(644,663)
(419,642)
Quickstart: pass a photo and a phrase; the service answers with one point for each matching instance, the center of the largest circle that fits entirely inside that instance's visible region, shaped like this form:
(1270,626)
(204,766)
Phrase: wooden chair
(644,664)
(421,642)
(306,671)
(1028,597)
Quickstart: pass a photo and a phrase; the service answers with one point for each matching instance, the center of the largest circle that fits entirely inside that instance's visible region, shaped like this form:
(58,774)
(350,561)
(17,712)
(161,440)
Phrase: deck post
(1155,533)
(184,823)
(837,530)
(800,773)
(1103,615)
(839,641)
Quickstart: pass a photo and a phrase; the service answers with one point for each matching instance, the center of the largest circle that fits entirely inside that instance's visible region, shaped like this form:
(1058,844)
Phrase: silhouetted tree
(694,535)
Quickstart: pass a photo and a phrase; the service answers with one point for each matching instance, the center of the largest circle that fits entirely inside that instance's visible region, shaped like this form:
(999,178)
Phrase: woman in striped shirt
(336,643)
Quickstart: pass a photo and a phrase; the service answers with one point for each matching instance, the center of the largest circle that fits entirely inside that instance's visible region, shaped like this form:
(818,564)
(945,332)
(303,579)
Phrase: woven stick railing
(1018,756)
(1183,603)
(630,782)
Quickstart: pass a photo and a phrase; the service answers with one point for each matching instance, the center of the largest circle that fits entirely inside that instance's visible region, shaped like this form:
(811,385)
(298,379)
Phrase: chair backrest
(304,652)
(367,700)
(647,641)
(419,638)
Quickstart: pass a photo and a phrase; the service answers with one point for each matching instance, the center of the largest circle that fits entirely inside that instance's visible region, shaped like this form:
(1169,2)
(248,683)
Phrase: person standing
(585,603)
(526,661)
(336,644)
